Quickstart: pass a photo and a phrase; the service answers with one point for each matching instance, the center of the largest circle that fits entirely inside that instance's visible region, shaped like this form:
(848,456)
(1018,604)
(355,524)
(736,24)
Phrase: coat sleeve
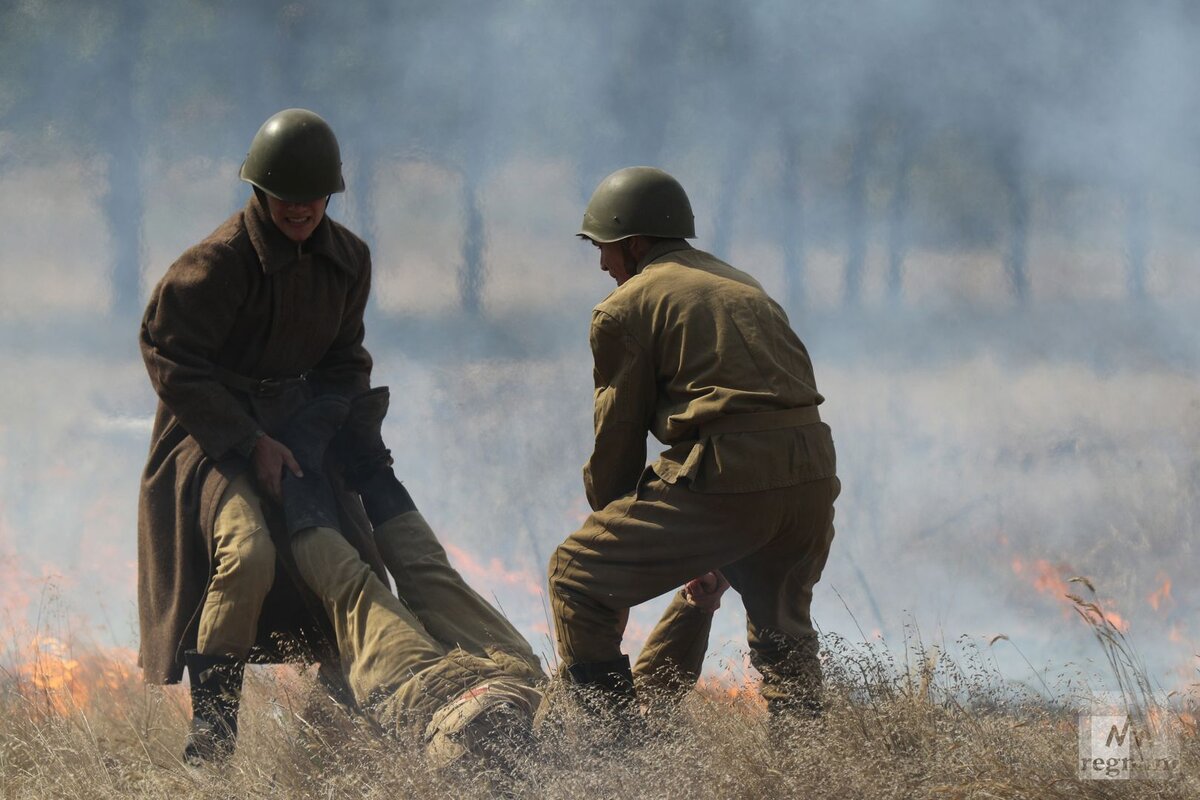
(188,319)
(346,366)
(625,400)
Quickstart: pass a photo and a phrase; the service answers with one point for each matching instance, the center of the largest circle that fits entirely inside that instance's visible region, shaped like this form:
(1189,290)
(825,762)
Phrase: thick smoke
(980,216)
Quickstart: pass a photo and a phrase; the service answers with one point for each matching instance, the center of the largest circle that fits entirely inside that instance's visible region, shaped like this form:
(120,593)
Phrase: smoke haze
(981,218)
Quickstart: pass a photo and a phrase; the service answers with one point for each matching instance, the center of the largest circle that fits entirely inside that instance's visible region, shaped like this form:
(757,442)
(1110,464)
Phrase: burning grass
(920,720)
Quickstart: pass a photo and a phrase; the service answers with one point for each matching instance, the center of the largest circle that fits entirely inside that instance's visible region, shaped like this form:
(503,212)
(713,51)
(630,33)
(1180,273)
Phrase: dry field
(905,721)
(974,489)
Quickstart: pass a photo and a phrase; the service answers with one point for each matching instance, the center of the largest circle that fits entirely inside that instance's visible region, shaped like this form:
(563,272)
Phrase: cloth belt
(256,386)
(761,421)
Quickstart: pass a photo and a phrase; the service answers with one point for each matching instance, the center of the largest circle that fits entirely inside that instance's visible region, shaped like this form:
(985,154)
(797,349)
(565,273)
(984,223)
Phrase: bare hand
(705,592)
(269,459)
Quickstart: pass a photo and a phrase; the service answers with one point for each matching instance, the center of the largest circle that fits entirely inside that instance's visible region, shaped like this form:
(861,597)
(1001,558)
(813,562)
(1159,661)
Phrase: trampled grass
(910,720)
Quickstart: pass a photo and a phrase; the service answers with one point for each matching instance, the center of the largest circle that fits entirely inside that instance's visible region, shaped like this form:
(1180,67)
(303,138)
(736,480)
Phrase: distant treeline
(935,124)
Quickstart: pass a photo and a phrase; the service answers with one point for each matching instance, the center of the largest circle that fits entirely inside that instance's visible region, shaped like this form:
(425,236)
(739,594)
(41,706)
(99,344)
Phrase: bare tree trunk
(792,228)
(122,204)
(736,163)
(856,216)
(1016,256)
(898,215)
(471,272)
(1137,239)
(365,182)
(123,210)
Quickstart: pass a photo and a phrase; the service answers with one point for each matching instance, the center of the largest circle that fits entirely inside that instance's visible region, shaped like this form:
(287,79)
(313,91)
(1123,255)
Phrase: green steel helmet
(638,201)
(295,157)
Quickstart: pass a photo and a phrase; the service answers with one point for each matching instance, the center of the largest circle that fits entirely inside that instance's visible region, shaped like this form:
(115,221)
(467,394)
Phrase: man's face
(616,260)
(296,220)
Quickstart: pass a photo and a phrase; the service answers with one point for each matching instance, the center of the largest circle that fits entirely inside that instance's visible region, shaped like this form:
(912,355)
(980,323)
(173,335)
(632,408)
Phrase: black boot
(309,502)
(604,690)
(791,671)
(216,687)
(367,460)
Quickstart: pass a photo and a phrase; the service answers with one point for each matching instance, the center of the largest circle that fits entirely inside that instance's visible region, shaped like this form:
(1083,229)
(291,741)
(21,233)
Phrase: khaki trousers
(395,666)
(772,546)
(244,570)
(451,612)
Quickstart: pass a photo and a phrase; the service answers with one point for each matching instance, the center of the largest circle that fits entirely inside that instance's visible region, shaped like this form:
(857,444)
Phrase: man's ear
(635,248)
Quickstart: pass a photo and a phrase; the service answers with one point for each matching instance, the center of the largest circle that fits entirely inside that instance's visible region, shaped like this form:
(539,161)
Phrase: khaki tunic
(690,349)
(250,301)
(685,342)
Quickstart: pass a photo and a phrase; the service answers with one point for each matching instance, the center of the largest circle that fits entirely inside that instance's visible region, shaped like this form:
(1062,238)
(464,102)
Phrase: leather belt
(761,421)
(257,386)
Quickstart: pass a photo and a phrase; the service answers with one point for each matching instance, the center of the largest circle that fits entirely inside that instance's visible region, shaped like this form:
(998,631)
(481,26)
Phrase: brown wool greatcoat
(250,301)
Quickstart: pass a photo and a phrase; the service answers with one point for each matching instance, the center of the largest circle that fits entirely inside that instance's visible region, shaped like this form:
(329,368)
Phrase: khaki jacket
(688,341)
(250,301)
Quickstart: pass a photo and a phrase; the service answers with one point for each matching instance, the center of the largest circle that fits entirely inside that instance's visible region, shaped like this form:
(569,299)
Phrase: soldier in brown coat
(238,334)
(694,351)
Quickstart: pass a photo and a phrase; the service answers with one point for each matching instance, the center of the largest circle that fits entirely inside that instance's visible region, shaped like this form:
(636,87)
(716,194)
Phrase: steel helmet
(638,201)
(295,157)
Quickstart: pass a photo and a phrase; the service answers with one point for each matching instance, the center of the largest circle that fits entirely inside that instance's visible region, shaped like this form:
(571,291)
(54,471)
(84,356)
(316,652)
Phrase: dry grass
(912,721)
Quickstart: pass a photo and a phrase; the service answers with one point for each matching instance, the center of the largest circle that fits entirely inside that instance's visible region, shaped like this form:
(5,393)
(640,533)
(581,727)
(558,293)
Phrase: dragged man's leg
(452,612)
(402,676)
(380,643)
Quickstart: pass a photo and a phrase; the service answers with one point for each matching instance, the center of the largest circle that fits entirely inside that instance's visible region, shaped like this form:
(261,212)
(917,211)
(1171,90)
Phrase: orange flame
(58,681)
(494,572)
(1161,594)
(1114,619)
(732,687)
(1047,579)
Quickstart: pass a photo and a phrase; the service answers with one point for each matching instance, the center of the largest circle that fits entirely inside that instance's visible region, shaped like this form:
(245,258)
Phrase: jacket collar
(275,251)
(659,250)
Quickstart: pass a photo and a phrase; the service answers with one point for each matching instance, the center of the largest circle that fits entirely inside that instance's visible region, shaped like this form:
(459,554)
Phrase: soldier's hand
(270,459)
(705,592)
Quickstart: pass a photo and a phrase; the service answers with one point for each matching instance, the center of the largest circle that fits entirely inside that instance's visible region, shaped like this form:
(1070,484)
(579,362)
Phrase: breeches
(244,559)
(771,545)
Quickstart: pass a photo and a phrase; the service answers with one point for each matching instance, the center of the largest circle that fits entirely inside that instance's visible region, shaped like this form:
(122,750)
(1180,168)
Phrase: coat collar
(275,251)
(659,250)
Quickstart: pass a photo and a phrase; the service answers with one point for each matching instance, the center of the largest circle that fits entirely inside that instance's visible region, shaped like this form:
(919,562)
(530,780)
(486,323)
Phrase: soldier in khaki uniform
(694,351)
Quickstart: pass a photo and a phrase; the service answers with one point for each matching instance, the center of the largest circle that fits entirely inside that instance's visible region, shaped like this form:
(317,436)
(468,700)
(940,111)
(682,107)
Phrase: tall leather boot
(367,460)
(792,677)
(216,688)
(309,501)
(604,691)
